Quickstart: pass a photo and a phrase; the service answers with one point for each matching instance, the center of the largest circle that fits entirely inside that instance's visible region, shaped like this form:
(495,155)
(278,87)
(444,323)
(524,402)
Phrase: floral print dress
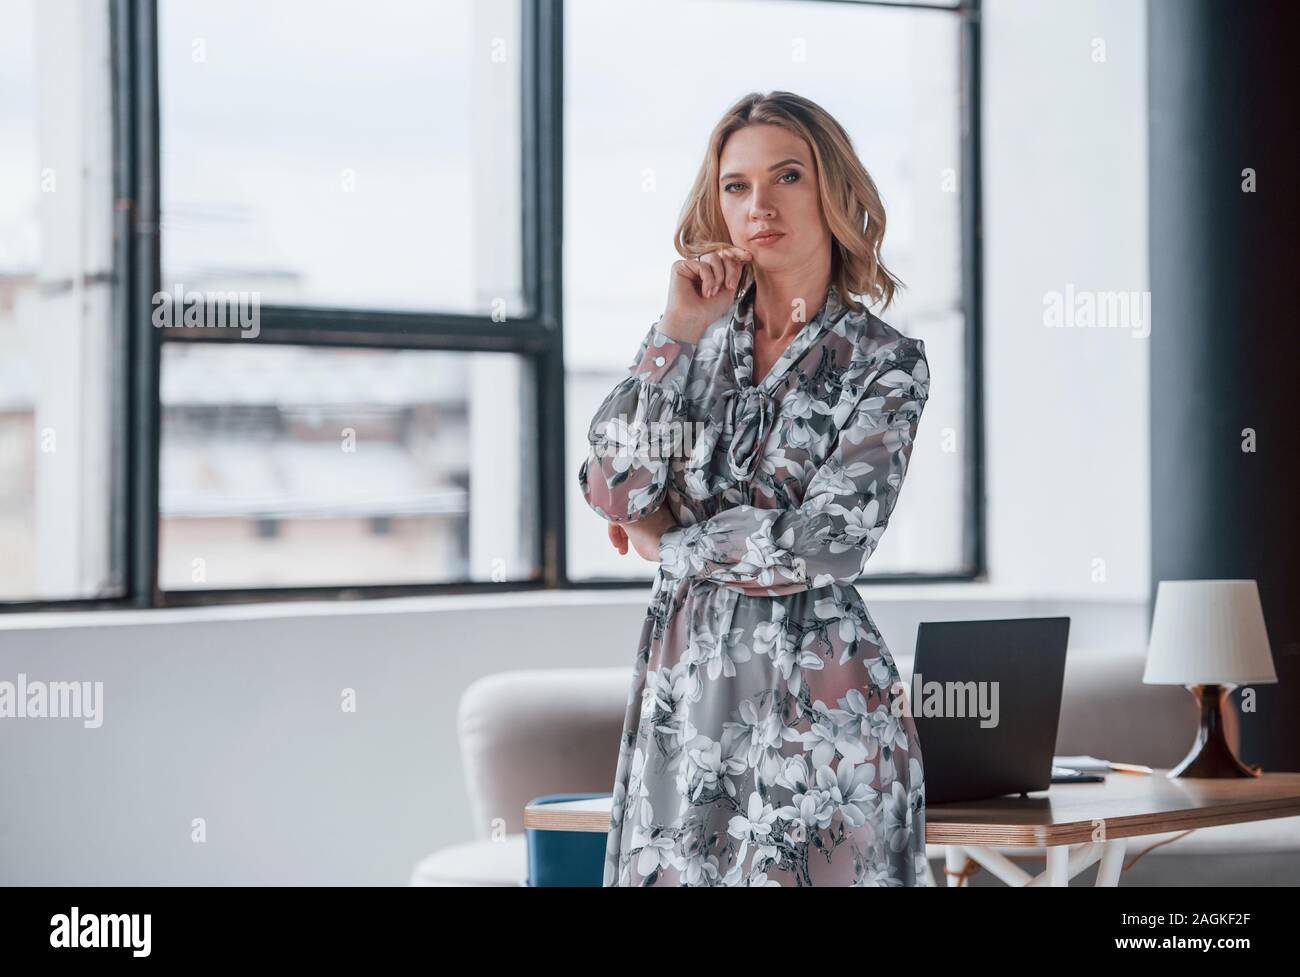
(767,739)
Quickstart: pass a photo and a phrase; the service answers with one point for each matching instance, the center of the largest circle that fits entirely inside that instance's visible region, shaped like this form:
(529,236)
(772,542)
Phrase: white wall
(232,714)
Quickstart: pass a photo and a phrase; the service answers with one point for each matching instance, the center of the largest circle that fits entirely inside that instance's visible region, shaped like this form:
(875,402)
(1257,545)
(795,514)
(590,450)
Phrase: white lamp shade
(1208,632)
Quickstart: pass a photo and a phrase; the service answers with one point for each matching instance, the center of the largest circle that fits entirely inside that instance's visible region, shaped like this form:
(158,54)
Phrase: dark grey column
(1225,277)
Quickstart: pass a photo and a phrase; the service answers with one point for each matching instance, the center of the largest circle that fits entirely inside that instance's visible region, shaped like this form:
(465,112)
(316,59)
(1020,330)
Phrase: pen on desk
(1129,768)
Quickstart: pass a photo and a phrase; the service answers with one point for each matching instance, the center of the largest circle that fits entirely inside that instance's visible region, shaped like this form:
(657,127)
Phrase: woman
(767,739)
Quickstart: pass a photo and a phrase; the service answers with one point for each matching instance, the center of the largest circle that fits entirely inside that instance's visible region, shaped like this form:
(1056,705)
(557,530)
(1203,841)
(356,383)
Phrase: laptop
(986,700)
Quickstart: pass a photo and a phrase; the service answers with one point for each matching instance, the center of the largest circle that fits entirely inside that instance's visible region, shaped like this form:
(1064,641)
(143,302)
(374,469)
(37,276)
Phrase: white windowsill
(633,595)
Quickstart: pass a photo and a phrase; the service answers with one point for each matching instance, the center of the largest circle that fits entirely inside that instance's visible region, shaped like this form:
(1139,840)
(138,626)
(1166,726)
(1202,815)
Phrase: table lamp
(1209,636)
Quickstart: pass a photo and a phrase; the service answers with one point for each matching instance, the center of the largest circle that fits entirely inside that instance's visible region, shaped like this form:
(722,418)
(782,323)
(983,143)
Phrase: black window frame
(537,335)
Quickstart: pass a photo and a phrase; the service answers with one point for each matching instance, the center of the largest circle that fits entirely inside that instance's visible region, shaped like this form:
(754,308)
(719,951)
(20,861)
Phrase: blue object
(567,858)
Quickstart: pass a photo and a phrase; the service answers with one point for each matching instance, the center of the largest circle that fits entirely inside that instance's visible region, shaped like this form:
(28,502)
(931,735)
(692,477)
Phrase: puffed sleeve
(847,505)
(636,430)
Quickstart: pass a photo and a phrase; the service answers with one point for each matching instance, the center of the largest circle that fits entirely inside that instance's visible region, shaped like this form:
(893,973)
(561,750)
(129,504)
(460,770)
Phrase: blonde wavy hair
(849,198)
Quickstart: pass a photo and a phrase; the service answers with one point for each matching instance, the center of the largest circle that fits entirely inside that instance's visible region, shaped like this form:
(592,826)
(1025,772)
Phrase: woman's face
(768,182)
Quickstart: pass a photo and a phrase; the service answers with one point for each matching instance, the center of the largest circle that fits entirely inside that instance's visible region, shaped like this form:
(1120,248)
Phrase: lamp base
(1210,755)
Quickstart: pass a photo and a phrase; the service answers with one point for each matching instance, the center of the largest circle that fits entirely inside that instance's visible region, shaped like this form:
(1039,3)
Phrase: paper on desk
(1090,763)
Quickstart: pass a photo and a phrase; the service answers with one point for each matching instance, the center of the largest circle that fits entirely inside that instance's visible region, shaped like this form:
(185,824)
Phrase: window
(305,299)
(360,155)
(341,177)
(297,466)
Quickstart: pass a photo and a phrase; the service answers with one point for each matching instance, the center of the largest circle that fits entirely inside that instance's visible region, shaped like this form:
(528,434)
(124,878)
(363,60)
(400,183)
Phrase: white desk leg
(1112,862)
(1058,865)
(954,861)
(1063,863)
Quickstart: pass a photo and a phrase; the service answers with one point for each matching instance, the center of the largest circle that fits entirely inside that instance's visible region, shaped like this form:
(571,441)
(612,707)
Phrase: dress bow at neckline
(749,410)
(749,413)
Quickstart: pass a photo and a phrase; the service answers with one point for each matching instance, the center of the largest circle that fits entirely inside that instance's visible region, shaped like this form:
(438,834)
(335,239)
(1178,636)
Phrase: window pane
(361,154)
(287,466)
(635,129)
(59,350)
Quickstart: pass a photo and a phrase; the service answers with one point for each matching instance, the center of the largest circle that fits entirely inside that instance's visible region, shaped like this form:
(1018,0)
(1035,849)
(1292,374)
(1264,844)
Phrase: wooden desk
(591,814)
(1076,824)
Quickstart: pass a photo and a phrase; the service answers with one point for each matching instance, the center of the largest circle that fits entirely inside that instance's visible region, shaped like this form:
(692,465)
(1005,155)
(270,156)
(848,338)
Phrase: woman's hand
(700,290)
(643,534)
(618,537)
